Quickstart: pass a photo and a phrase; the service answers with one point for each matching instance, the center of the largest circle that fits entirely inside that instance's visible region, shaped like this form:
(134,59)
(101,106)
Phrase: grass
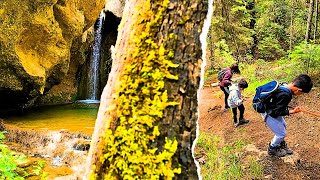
(226,161)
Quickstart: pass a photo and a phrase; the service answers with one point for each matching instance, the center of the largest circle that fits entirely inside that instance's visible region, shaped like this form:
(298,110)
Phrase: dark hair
(304,82)
(235,68)
(243,83)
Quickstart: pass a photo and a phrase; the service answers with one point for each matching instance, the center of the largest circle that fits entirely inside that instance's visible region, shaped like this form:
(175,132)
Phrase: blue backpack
(263,95)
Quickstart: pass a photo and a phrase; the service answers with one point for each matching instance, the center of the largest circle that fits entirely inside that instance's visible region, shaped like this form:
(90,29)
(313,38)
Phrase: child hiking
(225,81)
(277,107)
(235,101)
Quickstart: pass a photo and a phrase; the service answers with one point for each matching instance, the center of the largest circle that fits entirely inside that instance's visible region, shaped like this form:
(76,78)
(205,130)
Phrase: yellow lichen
(141,101)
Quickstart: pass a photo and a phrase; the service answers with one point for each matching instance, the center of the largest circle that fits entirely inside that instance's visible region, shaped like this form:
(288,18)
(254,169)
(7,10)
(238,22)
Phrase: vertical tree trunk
(291,25)
(210,64)
(315,21)
(147,118)
(309,21)
(254,46)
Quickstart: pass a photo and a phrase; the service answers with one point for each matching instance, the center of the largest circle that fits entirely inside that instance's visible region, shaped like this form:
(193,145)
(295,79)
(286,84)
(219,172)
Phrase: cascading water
(93,76)
(93,79)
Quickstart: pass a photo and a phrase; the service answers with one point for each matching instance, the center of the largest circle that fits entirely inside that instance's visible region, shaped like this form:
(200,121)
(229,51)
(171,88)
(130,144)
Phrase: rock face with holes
(36,42)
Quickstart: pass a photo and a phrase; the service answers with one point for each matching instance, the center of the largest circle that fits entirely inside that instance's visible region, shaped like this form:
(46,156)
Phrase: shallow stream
(60,135)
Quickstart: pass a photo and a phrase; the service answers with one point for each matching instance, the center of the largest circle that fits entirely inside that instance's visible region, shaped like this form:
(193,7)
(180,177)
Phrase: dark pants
(226,95)
(234,112)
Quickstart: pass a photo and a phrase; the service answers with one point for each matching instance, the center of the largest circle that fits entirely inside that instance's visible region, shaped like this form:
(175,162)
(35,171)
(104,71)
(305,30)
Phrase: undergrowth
(226,161)
(10,165)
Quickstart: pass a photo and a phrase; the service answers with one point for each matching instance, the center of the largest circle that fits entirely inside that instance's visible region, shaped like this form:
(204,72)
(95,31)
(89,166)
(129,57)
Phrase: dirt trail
(302,132)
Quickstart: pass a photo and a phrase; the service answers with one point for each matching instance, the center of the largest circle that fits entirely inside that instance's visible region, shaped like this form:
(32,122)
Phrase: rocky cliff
(37,40)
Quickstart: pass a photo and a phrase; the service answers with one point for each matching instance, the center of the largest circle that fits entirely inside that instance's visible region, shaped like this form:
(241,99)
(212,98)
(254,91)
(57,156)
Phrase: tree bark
(309,21)
(315,21)
(291,24)
(149,103)
(254,47)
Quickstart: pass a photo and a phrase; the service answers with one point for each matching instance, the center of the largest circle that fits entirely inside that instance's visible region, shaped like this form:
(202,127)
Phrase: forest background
(260,35)
(270,40)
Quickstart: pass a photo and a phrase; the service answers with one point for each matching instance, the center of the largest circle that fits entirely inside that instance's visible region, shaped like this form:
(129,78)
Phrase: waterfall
(93,75)
(94,68)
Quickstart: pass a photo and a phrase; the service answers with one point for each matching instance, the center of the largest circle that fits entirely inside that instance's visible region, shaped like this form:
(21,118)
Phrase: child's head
(242,84)
(235,68)
(302,84)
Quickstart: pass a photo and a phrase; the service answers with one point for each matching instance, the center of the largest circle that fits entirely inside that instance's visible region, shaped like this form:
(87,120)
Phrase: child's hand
(295,110)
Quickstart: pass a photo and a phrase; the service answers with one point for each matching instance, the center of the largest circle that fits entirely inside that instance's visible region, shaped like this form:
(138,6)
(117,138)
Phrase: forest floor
(303,131)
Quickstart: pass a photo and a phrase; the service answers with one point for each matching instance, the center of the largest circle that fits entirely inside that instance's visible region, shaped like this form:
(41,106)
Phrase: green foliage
(231,24)
(38,170)
(255,168)
(270,48)
(9,168)
(256,75)
(210,73)
(9,163)
(225,161)
(272,22)
(223,56)
(306,56)
(275,25)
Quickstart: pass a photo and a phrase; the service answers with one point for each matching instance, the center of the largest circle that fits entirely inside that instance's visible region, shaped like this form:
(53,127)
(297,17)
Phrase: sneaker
(243,121)
(276,151)
(226,108)
(284,146)
(236,124)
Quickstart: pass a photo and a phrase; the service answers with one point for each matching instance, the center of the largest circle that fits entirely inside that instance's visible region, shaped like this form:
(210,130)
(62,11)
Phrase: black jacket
(278,103)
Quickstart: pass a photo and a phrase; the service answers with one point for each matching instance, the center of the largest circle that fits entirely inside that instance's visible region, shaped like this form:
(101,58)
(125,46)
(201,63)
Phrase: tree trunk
(315,21)
(309,21)
(147,118)
(254,46)
(291,24)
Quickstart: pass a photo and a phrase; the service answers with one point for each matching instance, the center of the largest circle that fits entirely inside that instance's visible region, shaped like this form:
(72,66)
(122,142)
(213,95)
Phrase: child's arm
(295,110)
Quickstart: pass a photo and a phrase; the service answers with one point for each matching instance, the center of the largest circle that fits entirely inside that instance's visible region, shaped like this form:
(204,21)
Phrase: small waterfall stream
(93,75)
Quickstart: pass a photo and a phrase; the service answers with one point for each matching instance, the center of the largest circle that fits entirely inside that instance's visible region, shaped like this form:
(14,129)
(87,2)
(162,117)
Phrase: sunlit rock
(36,38)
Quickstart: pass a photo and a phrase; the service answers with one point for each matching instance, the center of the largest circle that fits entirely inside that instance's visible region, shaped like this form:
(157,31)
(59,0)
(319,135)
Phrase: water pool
(72,117)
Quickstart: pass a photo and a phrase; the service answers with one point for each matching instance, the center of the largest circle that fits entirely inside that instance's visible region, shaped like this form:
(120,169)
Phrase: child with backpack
(224,76)
(235,101)
(274,106)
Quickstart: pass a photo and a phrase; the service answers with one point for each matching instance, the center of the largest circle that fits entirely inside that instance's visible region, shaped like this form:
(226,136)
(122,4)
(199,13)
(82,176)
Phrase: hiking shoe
(226,108)
(243,121)
(284,146)
(276,151)
(236,124)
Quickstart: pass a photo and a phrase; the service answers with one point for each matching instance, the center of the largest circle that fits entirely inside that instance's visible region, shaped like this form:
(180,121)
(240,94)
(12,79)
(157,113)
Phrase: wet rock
(82,145)
(41,155)
(25,164)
